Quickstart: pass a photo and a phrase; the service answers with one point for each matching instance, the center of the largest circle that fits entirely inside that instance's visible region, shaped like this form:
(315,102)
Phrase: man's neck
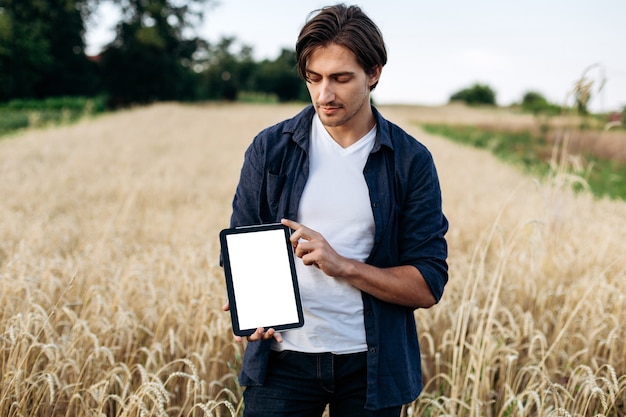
(350,133)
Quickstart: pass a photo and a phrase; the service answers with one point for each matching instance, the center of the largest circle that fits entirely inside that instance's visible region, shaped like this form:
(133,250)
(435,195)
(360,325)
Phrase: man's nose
(326,92)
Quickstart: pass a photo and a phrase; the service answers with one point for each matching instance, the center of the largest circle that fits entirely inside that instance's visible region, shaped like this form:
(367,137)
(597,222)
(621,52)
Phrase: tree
(42,48)
(225,73)
(281,78)
(475,95)
(151,57)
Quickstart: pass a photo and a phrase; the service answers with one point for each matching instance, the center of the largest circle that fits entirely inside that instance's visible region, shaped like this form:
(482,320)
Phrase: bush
(476,95)
(12,120)
(73,104)
(535,102)
(23,113)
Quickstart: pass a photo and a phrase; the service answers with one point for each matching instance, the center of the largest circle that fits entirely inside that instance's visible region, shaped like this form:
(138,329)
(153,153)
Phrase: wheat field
(111,289)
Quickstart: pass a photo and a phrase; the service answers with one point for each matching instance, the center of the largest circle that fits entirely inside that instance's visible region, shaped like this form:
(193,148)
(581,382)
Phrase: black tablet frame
(240,316)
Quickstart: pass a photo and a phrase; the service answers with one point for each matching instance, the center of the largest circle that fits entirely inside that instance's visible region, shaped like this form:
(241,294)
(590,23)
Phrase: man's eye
(343,78)
(314,78)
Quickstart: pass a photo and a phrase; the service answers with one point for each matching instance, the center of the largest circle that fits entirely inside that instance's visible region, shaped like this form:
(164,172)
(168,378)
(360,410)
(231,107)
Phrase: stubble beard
(339,120)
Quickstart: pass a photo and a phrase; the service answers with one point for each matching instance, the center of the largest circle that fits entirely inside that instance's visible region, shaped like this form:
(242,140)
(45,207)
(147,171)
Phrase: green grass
(252,97)
(27,113)
(532,153)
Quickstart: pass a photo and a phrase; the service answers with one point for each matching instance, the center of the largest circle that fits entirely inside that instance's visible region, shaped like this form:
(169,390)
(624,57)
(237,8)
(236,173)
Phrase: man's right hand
(259,334)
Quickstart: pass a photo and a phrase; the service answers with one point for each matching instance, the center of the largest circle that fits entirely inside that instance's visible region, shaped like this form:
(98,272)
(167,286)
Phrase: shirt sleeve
(424,225)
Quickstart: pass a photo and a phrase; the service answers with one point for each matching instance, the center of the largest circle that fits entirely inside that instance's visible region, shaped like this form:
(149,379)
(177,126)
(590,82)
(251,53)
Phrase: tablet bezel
(236,311)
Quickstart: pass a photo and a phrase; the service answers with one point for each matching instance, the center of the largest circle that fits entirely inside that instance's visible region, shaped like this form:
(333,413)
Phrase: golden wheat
(112,292)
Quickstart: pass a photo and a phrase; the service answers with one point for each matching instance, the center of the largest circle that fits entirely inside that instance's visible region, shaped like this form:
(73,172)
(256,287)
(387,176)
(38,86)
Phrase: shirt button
(374,205)
(372,350)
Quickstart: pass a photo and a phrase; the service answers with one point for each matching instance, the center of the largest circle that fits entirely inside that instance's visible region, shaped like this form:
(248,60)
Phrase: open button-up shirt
(410,226)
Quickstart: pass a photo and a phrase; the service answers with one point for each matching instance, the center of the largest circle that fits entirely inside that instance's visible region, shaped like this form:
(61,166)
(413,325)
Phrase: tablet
(261,278)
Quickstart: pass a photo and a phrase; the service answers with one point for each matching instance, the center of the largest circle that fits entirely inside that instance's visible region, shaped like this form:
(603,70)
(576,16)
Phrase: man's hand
(259,334)
(402,284)
(313,249)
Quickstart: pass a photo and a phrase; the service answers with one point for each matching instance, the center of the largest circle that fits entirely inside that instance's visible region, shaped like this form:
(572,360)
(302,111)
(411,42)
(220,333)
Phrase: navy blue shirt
(410,226)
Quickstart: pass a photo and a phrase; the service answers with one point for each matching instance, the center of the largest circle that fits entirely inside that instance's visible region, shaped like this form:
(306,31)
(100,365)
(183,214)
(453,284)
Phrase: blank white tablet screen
(262,281)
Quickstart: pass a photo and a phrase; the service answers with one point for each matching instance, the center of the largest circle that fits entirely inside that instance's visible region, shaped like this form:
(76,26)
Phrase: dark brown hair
(343,25)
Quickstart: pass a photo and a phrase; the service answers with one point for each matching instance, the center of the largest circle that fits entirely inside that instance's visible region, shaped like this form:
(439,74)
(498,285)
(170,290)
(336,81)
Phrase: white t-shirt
(335,202)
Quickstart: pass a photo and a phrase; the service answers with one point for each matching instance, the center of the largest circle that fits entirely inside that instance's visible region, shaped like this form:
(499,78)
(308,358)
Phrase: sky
(436,48)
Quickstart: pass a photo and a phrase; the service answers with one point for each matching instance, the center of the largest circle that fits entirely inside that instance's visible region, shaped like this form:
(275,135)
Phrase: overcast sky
(436,48)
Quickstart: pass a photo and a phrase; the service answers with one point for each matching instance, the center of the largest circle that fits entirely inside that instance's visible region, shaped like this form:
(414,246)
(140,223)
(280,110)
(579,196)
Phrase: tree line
(154,56)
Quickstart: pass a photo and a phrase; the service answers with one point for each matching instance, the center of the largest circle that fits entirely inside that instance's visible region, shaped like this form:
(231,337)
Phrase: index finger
(296,227)
(291,224)
(300,231)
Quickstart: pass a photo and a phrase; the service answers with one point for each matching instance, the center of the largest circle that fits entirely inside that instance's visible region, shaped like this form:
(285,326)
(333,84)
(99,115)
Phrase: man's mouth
(329,109)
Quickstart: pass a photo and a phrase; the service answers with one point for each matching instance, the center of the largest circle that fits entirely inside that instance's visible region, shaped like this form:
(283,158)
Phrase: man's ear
(375,75)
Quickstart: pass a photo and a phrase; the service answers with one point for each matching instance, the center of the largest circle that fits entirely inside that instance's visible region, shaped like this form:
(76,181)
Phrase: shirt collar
(300,127)
(383,133)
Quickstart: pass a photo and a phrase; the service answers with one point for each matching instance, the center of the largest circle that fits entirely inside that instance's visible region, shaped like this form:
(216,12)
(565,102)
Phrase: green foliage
(225,72)
(521,148)
(23,113)
(6,30)
(536,103)
(230,73)
(12,121)
(151,58)
(532,153)
(73,104)
(253,97)
(41,49)
(477,94)
(281,78)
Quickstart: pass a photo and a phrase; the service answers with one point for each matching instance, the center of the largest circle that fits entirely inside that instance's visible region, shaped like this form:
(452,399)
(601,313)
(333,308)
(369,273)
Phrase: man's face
(339,87)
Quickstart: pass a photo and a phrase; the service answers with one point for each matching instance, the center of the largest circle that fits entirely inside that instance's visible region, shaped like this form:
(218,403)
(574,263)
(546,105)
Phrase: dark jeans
(302,384)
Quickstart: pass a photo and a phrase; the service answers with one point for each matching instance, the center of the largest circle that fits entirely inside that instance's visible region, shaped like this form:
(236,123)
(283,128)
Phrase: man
(364,202)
